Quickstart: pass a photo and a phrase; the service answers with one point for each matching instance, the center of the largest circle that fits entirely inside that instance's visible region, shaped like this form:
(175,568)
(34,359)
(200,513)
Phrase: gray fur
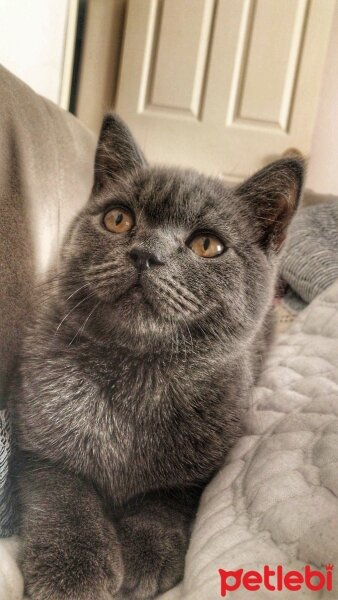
(130,397)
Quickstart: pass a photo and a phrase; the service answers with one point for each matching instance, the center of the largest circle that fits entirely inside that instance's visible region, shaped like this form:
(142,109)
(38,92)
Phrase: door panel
(174,79)
(223,85)
(263,95)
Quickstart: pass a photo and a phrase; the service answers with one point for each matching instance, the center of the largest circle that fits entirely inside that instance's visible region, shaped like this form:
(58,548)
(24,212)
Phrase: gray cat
(137,366)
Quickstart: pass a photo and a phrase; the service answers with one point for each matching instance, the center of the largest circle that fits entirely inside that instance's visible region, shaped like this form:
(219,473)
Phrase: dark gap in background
(80,31)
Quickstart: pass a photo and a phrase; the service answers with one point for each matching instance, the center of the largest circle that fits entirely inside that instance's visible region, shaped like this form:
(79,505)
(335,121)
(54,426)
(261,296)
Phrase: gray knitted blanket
(310,260)
(6,515)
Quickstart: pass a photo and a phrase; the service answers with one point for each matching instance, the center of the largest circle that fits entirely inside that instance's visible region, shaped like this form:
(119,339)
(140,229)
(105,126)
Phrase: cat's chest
(159,410)
(150,426)
(142,404)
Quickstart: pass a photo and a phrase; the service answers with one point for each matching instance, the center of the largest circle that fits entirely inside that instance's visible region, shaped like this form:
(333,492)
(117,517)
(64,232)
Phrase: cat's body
(132,423)
(137,367)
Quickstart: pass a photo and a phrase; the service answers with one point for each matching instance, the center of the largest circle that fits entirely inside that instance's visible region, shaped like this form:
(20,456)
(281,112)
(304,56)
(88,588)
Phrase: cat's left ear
(117,152)
(272,196)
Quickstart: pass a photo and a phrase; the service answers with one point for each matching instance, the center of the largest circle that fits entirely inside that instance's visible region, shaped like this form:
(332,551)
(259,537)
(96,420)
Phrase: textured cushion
(276,500)
(11,580)
(310,261)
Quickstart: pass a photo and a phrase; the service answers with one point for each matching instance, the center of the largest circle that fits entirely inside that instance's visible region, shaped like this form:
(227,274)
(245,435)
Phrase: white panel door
(223,85)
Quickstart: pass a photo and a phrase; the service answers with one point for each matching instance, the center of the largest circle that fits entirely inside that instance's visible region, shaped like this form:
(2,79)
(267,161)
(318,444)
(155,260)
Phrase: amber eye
(205,245)
(119,220)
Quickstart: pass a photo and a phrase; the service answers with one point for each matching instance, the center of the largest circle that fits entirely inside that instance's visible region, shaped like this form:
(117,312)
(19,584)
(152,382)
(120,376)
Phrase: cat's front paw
(58,574)
(153,554)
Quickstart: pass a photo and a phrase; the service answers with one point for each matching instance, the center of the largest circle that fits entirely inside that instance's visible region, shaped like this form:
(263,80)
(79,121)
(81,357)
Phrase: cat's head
(160,251)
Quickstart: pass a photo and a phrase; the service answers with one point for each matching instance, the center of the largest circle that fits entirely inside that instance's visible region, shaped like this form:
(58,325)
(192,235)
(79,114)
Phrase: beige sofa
(46,168)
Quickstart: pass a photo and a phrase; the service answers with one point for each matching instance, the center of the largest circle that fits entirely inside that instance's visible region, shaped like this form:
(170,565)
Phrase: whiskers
(73,308)
(82,327)
(192,322)
(107,272)
(183,306)
(102,267)
(77,291)
(100,278)
(182,302)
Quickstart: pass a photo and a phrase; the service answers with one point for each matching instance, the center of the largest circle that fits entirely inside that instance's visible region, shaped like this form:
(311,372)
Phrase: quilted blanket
(275,502)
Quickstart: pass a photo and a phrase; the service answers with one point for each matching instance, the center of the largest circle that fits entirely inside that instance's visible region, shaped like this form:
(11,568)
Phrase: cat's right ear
(117,152)
(272,195)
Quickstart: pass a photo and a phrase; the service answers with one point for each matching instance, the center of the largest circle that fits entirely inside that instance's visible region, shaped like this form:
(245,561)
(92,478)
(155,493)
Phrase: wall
(323,164)
(100,60)
(32,42)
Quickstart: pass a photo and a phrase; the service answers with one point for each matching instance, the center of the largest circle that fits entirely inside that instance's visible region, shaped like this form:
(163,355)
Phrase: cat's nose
(143,259)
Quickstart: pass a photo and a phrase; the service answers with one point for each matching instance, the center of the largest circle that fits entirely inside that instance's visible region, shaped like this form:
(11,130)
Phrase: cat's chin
(132,316)
(137,317)
(134,301)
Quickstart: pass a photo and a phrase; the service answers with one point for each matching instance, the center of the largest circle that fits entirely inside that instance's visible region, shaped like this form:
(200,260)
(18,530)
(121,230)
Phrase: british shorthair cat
(138,365)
